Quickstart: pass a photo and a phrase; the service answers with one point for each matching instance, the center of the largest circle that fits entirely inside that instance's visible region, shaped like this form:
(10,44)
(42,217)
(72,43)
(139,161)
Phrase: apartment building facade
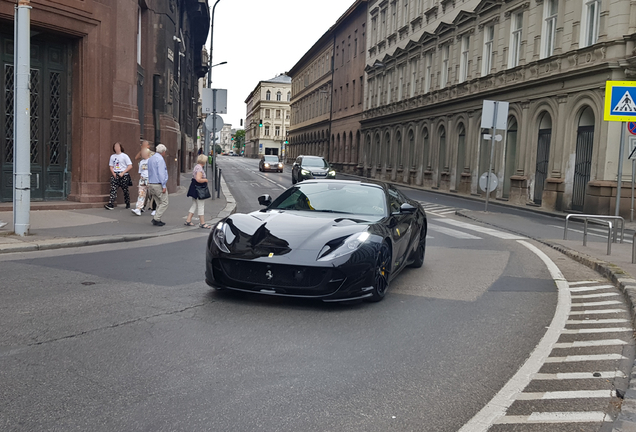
(268,117)
(328,93)
(430,64)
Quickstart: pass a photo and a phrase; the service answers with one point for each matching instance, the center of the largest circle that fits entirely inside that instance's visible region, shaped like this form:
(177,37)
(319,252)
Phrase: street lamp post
(207,132)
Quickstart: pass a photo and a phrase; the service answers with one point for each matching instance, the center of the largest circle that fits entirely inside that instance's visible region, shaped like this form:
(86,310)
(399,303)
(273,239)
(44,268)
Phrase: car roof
(377,184)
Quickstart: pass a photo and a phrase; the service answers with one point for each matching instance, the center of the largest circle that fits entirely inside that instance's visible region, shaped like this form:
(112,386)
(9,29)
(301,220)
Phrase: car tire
(381,273)
(419,253)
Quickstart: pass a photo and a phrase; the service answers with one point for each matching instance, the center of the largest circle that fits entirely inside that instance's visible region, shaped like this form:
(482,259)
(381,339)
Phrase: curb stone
(50,244)
(626,419)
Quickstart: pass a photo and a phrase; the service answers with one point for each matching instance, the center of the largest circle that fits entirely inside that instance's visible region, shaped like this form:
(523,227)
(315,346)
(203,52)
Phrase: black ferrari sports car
(333,240)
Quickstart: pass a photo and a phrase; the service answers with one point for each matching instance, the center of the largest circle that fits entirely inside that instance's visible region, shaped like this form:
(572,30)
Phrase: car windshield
(328,197)
(271,159)
(315,162)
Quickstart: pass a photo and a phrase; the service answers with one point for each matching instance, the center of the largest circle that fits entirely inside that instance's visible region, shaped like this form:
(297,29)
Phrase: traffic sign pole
(619,180)
(492,153)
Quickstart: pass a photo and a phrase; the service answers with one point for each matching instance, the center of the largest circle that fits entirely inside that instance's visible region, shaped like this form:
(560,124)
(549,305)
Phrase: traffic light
(260,123)
(286,142)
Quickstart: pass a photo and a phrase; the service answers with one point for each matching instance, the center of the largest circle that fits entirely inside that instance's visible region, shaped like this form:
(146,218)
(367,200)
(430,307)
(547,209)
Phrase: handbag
(199,190)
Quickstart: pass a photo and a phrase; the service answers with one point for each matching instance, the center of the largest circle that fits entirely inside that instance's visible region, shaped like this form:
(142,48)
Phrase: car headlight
(350,245)
(332,173)
(266,165)
(305,172)
(280,165)
(219,236)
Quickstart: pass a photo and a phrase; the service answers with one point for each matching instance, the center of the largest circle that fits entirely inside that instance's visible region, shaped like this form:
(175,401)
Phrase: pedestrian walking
(157,180)
(198,205)
(143,182)
(119,165)
(145,144)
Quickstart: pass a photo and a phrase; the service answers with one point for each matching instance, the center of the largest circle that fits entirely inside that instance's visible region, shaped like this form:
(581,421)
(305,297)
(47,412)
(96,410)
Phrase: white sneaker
(136,211)
(154,212)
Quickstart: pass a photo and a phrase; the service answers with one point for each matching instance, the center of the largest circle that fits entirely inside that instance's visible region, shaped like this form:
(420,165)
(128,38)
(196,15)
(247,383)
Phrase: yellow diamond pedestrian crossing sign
(620,101)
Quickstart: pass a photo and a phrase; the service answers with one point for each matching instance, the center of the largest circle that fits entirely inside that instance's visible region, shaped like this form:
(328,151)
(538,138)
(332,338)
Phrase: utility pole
(207,132)
(22,120)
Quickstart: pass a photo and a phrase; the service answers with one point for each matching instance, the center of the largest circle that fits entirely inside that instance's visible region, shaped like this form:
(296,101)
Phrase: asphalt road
(129,337)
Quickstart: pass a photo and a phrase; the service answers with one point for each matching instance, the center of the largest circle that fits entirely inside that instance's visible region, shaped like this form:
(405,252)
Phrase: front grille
(275,275)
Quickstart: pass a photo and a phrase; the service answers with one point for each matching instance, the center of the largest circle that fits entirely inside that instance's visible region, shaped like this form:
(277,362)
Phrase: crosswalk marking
(592,343)
(579,375)
(600,303)
(451,232)
(584,358)
(573,394)
(583,282)
(586,296)
(591,288)
(598,312)
(482,230)
(556,417)
(597,330)
(598,321)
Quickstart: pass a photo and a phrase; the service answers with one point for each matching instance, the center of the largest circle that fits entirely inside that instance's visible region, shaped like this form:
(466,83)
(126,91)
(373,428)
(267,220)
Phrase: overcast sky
(260,39)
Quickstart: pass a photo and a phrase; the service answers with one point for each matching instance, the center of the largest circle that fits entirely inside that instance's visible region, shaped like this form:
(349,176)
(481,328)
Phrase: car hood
(260,234)
(316,170)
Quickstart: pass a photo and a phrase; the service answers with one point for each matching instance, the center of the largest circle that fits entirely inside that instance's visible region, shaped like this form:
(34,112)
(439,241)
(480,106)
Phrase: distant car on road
(332,240)
(270,163)
(311,167)
(231,153)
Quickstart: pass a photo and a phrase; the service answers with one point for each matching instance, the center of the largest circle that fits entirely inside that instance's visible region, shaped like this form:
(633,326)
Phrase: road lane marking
(580,375)
(447,212)
(592,343)
(451,232)
(584,358)
(573,394)
(483,230)
(599,295)
(499,404)
(598,330)
(272,181)
(556,417)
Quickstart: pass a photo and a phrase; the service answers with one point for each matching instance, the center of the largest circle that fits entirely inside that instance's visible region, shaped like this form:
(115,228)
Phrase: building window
(266,113)
(400,83)
(268,95)
(413,78)
(277,114)
(355,47)
(342,57)
(515,39)
(279,96)
(383,24)
(393,16)
(550,11)
(405,17)
(427,72)
(445,57)
(361,92)
(463,62)
(266,130)
(353,94)
(374,30)
(277,131)
(389,86)
(592,19)
(489,35)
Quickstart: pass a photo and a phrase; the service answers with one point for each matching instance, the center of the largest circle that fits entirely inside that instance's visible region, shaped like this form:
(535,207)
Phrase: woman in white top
(198,175)
(143,181)
(119,165)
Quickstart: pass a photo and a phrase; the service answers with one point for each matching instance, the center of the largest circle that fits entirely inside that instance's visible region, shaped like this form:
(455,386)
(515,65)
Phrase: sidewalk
(54,229)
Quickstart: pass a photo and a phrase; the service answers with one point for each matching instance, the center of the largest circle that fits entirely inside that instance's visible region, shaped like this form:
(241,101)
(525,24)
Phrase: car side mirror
(265,200)
(407,208)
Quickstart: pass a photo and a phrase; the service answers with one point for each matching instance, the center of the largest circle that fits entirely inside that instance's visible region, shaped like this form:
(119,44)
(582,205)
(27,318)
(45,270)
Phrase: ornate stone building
(327,93)
(430,65)
(102,72)
(268,103)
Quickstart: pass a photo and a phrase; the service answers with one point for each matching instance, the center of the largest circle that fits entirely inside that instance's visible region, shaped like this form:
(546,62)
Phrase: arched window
(543,156)
(268,95)
(511,155)
(426,148)
(412,149)
(398,141)
(288,96)
(279,96)
(583,161)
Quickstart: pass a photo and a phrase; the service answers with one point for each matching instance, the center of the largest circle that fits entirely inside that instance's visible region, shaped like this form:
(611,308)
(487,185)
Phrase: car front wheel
(381,273)
(418,260)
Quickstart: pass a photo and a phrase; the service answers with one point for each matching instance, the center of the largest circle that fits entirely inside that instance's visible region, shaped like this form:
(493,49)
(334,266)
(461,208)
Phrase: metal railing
(599,219)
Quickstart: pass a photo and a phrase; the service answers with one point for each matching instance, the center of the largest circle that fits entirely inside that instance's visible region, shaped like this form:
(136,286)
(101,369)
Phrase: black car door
(401,225)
